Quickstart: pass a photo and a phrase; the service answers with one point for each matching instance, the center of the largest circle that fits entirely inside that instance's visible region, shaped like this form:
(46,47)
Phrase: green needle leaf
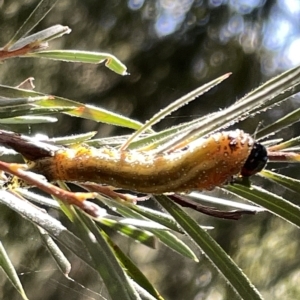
(232,273)
(41,10)
(111,61)
(10,271)
(274,203)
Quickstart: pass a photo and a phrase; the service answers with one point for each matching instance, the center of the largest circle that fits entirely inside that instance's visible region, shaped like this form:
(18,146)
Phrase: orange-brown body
(201,165)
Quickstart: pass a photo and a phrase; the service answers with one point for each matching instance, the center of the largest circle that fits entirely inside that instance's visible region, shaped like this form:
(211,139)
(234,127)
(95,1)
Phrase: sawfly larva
(203,164)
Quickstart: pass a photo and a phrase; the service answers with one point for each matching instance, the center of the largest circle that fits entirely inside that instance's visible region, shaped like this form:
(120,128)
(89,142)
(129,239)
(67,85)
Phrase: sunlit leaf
(37,40)
(48,223)
(111,61)
(231,272)
(142,236)
(10,271)
(41,10)
(116,281)
(86,111)
(272,202)
(60,259)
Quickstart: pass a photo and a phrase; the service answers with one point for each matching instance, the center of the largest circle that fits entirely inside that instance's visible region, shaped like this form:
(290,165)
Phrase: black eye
(256,161)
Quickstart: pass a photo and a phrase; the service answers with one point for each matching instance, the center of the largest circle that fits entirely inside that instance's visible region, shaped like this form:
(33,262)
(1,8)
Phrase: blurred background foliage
(170,48)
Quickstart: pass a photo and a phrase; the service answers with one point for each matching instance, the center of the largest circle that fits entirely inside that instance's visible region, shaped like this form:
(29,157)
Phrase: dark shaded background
(170,48)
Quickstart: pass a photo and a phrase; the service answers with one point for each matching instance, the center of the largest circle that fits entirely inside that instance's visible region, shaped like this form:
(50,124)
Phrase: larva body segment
(202,165)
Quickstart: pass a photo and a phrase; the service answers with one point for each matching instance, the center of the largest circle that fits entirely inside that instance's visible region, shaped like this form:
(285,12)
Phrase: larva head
(256,161)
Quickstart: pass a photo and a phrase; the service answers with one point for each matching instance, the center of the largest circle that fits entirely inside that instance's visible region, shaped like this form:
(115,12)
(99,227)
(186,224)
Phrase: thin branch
(77,199)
